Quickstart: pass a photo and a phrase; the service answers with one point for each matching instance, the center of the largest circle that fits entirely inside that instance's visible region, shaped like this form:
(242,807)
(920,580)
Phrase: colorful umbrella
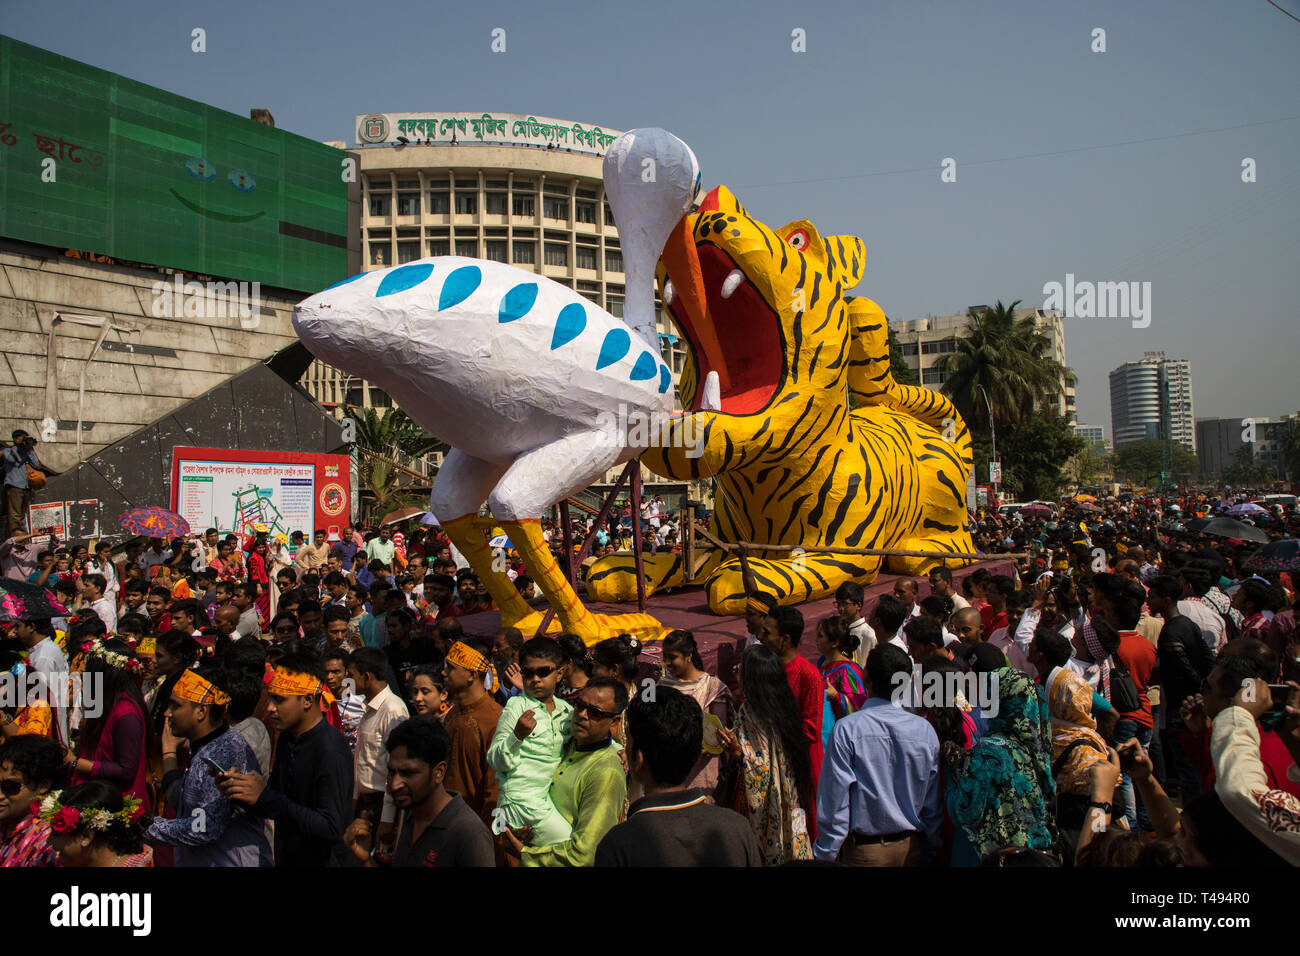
(20,601)
(1247,508)
(154,522)
(1037,509)
(430,519)
(1088,498)
(1282,555)
(401,514)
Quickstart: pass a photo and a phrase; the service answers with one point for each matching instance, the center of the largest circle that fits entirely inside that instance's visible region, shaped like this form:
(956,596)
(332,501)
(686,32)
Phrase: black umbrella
(1231,528)
(1196,524)
(20,601)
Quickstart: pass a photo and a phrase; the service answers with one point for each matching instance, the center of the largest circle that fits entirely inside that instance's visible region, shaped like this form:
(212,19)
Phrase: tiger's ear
(849,255)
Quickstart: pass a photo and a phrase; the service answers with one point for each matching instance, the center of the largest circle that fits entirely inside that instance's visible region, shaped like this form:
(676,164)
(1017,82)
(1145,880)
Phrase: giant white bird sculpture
(527,381)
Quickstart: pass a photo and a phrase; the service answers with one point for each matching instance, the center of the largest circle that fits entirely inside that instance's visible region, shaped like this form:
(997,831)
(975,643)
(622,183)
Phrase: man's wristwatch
(1100,805)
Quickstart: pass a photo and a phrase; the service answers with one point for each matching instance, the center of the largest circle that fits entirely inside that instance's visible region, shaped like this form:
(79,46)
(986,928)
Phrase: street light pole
(993,432)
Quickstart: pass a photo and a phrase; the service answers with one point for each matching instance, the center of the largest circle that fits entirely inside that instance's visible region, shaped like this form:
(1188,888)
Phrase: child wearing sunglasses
(529,742)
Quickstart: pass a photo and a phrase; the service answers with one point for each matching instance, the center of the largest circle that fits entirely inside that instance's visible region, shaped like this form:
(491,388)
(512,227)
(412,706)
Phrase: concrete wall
(255,410)
(183,358)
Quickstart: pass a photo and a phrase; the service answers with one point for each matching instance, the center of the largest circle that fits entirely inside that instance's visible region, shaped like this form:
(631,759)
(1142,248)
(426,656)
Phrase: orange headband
(462,655)
(197,690)
(754,604)
(285,683)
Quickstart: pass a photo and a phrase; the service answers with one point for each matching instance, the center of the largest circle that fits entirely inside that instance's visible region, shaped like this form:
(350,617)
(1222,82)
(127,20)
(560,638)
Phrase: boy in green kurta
(530,740)
(590,783)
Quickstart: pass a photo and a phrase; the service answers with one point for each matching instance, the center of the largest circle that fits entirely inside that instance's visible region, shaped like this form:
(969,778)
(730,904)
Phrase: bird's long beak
(690,304)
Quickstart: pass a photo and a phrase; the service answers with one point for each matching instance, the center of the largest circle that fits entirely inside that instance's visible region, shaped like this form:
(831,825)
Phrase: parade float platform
(721,640)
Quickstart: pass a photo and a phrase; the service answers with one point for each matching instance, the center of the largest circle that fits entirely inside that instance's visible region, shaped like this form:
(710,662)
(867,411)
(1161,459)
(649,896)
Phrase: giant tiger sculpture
(521,376)
(776,349)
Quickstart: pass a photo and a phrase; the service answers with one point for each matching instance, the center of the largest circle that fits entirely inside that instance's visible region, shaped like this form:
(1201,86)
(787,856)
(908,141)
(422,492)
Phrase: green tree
(1291,449)
(1006,359)
(1034,454)
(1085,467)
(1244,470)
(388,435)
(1142,461)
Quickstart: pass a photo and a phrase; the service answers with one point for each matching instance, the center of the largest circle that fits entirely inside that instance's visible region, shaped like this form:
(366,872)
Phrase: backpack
(1124,696)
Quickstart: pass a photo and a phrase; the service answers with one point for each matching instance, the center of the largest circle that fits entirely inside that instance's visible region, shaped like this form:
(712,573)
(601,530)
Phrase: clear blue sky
(886,86)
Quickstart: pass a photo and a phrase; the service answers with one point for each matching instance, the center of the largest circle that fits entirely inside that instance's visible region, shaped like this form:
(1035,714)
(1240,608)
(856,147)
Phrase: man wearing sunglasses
(589,785)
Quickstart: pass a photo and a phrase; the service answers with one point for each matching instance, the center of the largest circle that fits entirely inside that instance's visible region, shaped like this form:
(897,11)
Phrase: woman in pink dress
(111,745)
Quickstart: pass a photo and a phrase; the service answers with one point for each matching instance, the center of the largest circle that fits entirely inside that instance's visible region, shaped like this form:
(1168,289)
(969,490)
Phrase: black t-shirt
(1185,661)
(679,829)
(455,837)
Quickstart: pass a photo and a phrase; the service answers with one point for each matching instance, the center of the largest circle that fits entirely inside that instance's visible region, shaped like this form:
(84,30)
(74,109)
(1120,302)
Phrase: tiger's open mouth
(730,327)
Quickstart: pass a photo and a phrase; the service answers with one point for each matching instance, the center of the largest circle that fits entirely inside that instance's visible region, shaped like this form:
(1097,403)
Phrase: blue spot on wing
(346,281)
(615,346)
(516,303)
(644,367)
(403,278)
(569,325)
(665,379)
(459,286)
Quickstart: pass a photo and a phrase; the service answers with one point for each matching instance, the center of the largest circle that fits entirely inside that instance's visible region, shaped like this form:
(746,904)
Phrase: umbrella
(1037,509)
(154,522)
(1247,508)
(1088,498)
(430,519)
(1089,507)
(20,601)
(1231,528)
(1283,555)
(401,514)
(1196,524)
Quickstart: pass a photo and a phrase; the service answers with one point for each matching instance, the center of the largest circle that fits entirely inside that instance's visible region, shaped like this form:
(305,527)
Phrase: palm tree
(383,436)
(1005,358)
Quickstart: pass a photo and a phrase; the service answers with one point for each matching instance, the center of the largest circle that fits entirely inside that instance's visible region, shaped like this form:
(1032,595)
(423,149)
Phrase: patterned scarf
(1002,794)
(1100,656)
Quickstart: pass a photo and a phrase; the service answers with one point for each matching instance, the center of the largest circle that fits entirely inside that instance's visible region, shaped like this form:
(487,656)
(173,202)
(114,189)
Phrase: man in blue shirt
(18,493)
(346,548)
(879,801)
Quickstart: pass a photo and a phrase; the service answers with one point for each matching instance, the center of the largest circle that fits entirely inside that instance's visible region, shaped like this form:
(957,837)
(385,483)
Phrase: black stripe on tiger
(820,580)
(798,346)
(850,493)
(839,360)
(946,452)
(852,569)
(727,452)
(794,513)
(816,291)
(948,483)
(814,517)
(799,484)
(629,567)
(938,526)
(830,308)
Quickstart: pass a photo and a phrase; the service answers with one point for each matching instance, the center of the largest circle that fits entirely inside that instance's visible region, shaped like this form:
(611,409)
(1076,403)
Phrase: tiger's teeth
(668,292)
(711,400)
(732,282)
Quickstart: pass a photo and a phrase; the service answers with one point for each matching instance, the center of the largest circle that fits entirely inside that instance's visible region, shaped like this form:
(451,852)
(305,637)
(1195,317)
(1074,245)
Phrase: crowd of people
(1119,691)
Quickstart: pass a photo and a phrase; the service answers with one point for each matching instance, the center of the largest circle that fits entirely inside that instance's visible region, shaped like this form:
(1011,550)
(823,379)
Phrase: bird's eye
(798,239)
(242,181)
